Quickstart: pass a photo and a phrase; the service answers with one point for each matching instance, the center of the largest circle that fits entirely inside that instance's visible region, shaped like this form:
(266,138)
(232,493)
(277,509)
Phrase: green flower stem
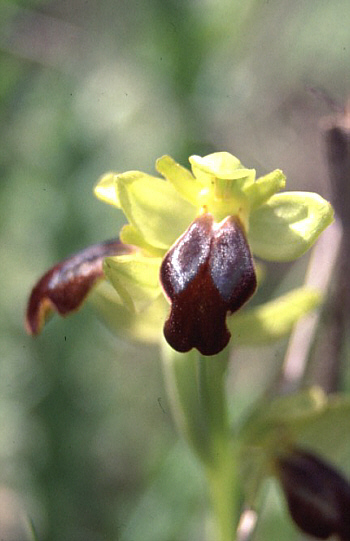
(196,386)
(222,469)
(224,496)
(181,377)
(211,393)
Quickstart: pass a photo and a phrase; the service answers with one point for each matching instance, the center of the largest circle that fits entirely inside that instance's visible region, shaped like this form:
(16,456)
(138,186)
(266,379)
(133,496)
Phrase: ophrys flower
(194,234)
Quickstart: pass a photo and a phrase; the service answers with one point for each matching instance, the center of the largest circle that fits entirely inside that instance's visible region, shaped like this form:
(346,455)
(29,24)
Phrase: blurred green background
(88,450)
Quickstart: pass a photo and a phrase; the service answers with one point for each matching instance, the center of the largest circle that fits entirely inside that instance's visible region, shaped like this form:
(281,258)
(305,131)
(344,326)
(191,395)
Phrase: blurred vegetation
(87,446)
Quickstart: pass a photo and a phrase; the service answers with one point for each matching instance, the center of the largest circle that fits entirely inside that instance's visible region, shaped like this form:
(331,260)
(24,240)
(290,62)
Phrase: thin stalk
(222,469)
(223,497)
(196,386)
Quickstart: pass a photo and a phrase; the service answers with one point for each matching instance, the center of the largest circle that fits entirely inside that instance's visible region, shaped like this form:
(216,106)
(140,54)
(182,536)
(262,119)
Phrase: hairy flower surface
(194,233)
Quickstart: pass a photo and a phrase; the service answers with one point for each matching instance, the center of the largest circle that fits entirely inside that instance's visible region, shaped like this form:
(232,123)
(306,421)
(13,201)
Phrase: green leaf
(135,278)
(264,187)
(106,189)
(273,320)
(155,208)
(180,177)
(288,225)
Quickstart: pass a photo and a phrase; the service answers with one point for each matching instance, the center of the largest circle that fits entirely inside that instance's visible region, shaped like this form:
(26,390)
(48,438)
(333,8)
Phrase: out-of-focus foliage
(90,86)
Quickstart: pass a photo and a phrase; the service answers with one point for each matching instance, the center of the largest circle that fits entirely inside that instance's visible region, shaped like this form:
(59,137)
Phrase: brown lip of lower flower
(318,496)
(64,287)
(208,273)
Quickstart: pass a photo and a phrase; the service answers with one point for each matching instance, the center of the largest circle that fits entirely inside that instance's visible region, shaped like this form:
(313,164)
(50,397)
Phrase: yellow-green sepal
(264,187)
(180,177)
(131,235)
(288,224)
(272,320)
(105,190)
(309,421)
(327,430)
(269,430)
(221,165)
(144,326)
(279,418)
(135,277)
(154,207)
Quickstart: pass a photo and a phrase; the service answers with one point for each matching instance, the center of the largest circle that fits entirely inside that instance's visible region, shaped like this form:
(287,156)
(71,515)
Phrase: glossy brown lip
(64,287)
(206,274)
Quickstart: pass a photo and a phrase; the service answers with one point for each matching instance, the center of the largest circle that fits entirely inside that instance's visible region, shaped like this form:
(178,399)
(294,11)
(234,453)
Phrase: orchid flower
(190,241)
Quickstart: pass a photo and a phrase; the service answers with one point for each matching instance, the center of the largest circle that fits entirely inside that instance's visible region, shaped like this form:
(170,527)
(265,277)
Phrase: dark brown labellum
(318,496)
(65,286)
(208,272)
